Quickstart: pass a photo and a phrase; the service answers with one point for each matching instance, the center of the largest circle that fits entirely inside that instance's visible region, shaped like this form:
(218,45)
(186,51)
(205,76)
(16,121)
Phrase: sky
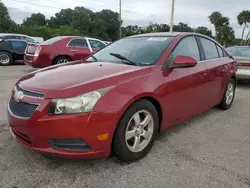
(139,12)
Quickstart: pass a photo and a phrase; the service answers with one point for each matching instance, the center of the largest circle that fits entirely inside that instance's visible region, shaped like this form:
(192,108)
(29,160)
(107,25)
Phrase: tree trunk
(242,36)
(247,37)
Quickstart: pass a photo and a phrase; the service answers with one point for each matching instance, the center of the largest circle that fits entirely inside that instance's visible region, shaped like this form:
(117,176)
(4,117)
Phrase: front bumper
(37,131)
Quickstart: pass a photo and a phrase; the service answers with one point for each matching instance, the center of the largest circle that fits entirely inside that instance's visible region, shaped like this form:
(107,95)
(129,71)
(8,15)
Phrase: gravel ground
(210,150)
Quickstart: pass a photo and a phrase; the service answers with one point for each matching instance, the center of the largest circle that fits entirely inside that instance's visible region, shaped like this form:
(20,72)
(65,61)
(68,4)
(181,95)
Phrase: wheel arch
(148,97)
(61,55)
(11,55)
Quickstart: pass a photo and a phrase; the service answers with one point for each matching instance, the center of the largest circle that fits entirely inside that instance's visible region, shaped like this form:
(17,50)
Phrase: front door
(185,88)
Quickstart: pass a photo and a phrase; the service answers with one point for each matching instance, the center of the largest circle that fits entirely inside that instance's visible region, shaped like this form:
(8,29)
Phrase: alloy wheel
(229,93)
(4,59)
(139,131)
(60,61)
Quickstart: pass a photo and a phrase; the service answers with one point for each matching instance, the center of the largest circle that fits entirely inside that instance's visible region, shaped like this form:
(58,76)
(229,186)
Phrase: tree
(203,30)
(224,34)
(62,18)
(182,27)
(6,24)
(243,18)
(112,22)
(82,19)
(35,19)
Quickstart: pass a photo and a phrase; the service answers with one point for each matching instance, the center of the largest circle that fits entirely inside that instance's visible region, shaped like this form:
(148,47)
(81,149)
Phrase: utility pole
(172,17)
(120,19)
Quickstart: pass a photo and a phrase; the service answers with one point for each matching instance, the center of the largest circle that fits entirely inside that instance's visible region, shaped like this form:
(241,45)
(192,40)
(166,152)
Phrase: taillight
(38,49)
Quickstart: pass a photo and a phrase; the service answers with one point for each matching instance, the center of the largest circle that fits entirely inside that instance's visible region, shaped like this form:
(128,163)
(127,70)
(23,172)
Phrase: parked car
(11,50)
(242,55)
(19,37)
(61,49)
(122,96)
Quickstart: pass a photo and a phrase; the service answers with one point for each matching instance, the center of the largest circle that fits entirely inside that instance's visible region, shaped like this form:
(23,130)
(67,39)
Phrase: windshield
(239,51)
(52,40)
(142,51)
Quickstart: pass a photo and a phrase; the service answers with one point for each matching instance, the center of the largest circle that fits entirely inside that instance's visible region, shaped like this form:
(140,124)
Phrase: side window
(210,49)
(28,39)
(189,47)
(18,45)
(96,44)
(221,54)
(78,43)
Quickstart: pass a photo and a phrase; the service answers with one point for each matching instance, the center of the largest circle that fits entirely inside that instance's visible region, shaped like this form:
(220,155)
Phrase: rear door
(96,45)
(78,49)
(185,88)
(217,69)
(18,48)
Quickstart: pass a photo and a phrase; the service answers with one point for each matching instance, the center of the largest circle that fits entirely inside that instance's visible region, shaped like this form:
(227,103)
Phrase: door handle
(72,50)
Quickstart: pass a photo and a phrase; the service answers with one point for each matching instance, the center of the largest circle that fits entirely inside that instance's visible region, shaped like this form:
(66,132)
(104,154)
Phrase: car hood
(76,78)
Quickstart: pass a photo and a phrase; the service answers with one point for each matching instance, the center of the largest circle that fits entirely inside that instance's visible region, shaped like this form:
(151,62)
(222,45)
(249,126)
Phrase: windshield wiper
(124,59)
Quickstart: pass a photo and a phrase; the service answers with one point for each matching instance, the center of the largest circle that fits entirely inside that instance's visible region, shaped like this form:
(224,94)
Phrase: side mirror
(182,61)
(1,40)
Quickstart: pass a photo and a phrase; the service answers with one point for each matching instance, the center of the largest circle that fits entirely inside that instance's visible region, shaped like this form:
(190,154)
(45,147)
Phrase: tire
(5,58)
(61,59)
(228,98)
(122,145)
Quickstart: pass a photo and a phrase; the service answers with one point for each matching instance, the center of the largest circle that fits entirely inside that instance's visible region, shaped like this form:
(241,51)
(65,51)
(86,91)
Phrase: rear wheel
(5,58)
(61,59)
(136,131)
(228,97)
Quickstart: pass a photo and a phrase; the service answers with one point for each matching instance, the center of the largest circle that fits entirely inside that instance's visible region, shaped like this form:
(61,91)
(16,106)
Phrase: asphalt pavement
(209,150)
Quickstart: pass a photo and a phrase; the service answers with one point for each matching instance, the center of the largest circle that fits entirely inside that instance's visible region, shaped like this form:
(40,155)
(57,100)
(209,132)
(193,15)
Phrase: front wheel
(228,97)
(136,131)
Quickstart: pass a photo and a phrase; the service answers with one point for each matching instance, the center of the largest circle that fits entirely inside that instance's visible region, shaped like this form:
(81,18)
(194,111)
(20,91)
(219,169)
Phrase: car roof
(7,34)
(6,40)
(159,34)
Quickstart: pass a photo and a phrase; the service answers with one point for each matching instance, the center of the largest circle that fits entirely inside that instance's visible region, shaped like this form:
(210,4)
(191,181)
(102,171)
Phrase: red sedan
(122,96)
(61,50)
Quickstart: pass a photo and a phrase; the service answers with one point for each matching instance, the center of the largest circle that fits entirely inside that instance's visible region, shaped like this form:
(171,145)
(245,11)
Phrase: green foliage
(6,24)
(35,19)
(224,34)
(203,30)
(243,18)
(104,25)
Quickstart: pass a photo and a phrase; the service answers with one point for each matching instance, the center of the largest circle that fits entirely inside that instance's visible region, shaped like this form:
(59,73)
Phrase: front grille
(22,137)
(29,93)
(21,109)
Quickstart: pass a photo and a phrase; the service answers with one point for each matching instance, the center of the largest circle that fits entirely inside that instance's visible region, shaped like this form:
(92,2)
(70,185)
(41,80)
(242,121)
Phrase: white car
(242,56)
(27,38)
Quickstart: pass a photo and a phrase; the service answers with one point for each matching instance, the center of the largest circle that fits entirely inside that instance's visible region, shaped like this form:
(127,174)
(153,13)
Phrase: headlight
(78,104)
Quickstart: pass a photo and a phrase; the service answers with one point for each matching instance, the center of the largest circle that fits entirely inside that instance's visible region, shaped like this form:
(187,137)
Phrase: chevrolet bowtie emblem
(18,96)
